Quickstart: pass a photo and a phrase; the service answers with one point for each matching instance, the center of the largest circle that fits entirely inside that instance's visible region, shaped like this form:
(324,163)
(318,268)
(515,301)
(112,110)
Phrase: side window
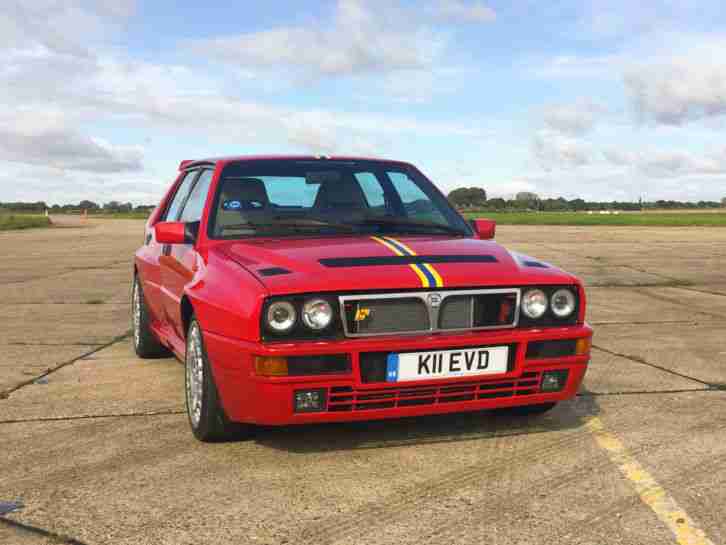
(173,211)
(372,190)
(195,204)
(415,202)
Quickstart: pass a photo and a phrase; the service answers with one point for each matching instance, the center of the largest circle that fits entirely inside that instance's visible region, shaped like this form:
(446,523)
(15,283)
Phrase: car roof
(187,163)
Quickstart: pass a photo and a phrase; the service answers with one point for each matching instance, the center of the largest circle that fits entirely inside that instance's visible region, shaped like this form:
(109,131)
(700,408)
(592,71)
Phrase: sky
(604,100)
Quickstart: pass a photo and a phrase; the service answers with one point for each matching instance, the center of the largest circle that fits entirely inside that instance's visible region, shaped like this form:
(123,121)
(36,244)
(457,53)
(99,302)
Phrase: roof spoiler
(185,163)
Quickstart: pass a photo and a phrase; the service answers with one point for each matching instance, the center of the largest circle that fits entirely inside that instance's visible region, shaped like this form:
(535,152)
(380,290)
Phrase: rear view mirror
(484,229)
(174,232)
(322,177)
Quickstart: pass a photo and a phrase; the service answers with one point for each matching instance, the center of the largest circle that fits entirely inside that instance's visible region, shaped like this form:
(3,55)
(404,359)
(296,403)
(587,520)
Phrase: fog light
(309,401)
(583,346)
(273,366)
(553,381)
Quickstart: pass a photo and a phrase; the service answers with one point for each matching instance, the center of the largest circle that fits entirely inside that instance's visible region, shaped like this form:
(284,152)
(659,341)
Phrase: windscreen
(261,198)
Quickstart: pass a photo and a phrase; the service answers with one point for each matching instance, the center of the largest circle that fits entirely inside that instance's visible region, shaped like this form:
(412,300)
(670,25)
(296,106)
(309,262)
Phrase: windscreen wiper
(396,222)
(300,222)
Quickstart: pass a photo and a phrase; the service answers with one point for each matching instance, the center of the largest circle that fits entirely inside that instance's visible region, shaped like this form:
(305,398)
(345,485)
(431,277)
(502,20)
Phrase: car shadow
(448,428)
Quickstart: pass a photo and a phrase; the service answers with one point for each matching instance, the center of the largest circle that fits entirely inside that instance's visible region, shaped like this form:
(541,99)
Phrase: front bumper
(247,397)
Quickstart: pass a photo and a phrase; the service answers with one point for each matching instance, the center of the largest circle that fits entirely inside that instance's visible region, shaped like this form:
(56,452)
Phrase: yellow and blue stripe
(427,274)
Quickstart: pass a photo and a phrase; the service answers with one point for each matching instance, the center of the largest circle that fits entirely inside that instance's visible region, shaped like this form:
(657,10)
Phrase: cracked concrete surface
(101,453)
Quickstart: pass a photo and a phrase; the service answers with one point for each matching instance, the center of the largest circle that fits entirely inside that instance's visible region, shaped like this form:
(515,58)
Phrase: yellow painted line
(421,276)
(436,275)
(414,268)
(388,245)
(402,245)
(429,267)
(651,493)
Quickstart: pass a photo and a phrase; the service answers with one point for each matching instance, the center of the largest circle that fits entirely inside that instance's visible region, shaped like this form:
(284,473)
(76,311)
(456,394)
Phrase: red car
(321,289)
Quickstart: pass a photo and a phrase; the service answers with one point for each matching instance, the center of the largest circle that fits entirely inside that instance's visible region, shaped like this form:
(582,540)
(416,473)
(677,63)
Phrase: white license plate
(463,362)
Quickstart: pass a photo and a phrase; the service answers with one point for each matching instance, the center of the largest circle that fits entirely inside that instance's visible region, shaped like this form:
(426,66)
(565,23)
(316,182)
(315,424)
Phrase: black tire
(529,410)
(206,415)
(146,345)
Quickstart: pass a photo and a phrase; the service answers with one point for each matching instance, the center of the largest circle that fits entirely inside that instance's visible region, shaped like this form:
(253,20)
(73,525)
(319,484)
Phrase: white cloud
(361,38)
(680,91)
(671,77)
(173,98)
(67,27)
(552,150)
(573,66)
(675,85)
(64,83)
(660,164)
(42,183)
(574,119)
(65,148)
(459,11)
(47,61)
(620,157)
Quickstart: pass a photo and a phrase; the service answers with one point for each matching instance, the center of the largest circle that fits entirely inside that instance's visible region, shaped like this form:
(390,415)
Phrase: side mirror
(174,232)
(484,229)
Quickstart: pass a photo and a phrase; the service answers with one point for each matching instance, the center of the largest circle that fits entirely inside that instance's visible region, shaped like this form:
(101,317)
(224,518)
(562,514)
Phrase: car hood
(365,263)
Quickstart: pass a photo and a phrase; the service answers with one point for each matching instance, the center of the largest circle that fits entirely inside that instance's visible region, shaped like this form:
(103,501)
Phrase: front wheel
(206,415)
(146,345)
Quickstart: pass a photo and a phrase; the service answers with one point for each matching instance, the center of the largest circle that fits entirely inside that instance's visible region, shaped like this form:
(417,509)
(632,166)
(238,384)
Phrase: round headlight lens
(534,303)
(317,314)
(563,303)
(281,316)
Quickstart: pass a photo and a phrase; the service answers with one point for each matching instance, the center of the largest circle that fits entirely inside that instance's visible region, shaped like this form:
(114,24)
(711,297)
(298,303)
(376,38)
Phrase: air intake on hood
(273,271)
(373,261)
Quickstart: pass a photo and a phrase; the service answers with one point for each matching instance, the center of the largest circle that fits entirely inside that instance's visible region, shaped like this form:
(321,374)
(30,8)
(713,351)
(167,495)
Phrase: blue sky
(604,100)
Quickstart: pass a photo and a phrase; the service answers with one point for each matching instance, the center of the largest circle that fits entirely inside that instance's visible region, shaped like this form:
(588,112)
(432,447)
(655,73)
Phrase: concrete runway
(95,445)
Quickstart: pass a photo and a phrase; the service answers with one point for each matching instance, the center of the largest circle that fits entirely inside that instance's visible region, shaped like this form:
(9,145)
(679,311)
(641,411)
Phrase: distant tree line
(463,197)
(475,197)
(91,207)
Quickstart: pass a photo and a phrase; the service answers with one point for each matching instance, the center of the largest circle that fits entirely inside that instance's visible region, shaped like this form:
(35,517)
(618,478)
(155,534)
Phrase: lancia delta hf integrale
(314,289)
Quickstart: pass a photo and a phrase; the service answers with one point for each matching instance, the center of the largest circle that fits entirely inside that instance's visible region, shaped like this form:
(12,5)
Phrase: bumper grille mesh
(346,398)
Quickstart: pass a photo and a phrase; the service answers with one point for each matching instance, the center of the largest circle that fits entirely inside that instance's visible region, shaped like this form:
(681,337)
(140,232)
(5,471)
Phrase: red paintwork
(219,280)
(170,232)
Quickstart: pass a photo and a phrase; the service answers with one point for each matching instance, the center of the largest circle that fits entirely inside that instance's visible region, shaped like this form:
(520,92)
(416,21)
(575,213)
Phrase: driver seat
(240,195)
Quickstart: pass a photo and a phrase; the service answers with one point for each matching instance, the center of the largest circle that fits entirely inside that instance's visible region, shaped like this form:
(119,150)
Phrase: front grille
(372,316)
(418,312)
(347,399)
(477,310)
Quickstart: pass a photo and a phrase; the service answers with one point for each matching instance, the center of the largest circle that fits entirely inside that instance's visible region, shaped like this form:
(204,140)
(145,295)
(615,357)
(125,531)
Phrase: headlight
(534,303)
(563,303)
(281,316)
(317,314)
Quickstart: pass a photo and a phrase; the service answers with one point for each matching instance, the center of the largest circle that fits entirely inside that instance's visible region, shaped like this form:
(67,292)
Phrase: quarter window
(195,203)
(176,203)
